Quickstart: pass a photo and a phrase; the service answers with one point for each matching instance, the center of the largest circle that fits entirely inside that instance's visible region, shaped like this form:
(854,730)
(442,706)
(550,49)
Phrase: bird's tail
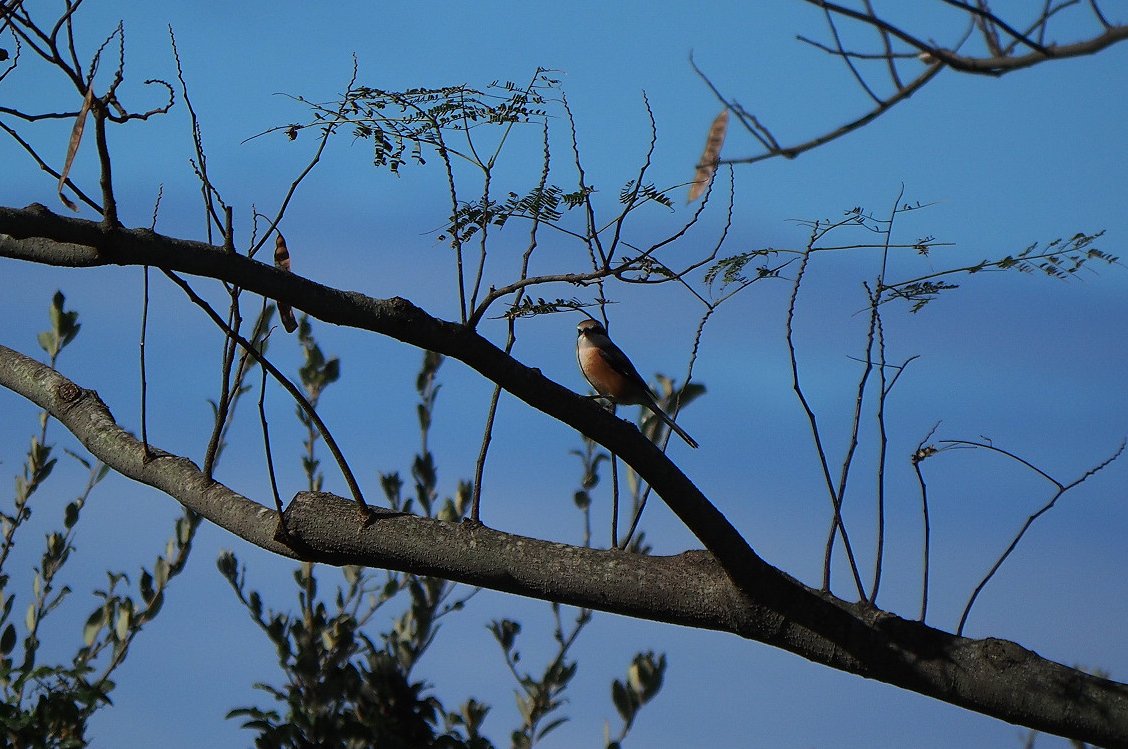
(677,429)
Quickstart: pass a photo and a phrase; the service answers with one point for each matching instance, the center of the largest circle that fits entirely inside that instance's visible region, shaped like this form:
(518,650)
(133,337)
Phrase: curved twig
(282,380)
(1061,489)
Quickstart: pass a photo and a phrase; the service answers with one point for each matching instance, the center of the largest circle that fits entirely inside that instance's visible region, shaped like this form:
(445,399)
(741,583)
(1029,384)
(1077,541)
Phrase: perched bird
(613,376)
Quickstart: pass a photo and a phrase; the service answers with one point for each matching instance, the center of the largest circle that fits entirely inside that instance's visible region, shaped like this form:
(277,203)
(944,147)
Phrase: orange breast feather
(606,381)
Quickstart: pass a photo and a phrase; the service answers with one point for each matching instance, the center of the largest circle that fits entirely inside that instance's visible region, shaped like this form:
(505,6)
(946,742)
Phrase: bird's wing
(618,361)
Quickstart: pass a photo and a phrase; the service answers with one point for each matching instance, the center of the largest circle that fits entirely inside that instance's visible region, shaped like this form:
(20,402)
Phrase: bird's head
(590,327)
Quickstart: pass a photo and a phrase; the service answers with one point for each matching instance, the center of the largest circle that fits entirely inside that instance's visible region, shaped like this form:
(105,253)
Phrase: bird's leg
(608,404)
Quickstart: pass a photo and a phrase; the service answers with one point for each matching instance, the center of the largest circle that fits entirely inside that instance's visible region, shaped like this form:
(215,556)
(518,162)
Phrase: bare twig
(989,21)
(846,59)
(511,340)
(282,380)
(43,165)
(1060,487)
(328,130)
(774,149)
(1000,60)
(269,454)
(922,452)
(835,500)
(887,53)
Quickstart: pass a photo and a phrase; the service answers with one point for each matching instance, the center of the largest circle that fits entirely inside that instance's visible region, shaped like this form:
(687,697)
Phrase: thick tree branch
(1000,60)
(87,417)
(35,234)
(1003,64)
(991,676)
(996,65)
(772,147)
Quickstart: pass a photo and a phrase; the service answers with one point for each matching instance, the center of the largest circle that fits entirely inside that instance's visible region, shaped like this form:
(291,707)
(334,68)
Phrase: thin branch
(888,54)
(630,203)
(835,500)
(934,57)
(594,246)
(144,332)
(328,130)
(269,454)
(847,58)
(223,403)
(511,340)
(792,151)
(1100,16)
(991,20)
(282,380)
(207,188)
(922,452)
(615,501)
(1061,490)
(47,168)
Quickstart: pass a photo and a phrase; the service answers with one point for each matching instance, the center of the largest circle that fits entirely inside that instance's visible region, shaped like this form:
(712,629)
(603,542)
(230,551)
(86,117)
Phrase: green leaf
(42,474)
(624,700)
(645,675)
(228,566)
(550,726)
(332,371)
(505,631)
(145,584)
(70,515)
(124,620)
(160,571)
(94,624)
(8,639)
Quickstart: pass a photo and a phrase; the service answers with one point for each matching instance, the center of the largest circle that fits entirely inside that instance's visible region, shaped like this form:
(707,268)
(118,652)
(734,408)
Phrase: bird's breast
(604,378)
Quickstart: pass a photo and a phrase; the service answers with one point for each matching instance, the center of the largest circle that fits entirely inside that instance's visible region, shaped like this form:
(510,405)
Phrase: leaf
(70,515)
(145,585)
(8,639)
(46,340)
(124,619)
(75,140)
(505,631)
(622,698)
(85,463)
(707,164)
(645,675)
(550,726)
(160,571)
(93,626)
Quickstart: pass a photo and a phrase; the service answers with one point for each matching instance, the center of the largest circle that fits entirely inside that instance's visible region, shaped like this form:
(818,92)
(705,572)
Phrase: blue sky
(1035,365)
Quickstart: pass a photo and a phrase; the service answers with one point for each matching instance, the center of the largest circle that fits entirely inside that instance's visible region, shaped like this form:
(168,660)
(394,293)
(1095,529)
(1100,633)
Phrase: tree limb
(38,235)
(991,676)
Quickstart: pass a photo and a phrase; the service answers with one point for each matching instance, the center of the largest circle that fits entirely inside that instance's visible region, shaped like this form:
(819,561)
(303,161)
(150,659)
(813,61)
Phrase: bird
(613,376)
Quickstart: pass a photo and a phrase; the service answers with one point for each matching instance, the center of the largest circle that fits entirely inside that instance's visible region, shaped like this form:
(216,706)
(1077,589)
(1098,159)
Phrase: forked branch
(1003,46)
